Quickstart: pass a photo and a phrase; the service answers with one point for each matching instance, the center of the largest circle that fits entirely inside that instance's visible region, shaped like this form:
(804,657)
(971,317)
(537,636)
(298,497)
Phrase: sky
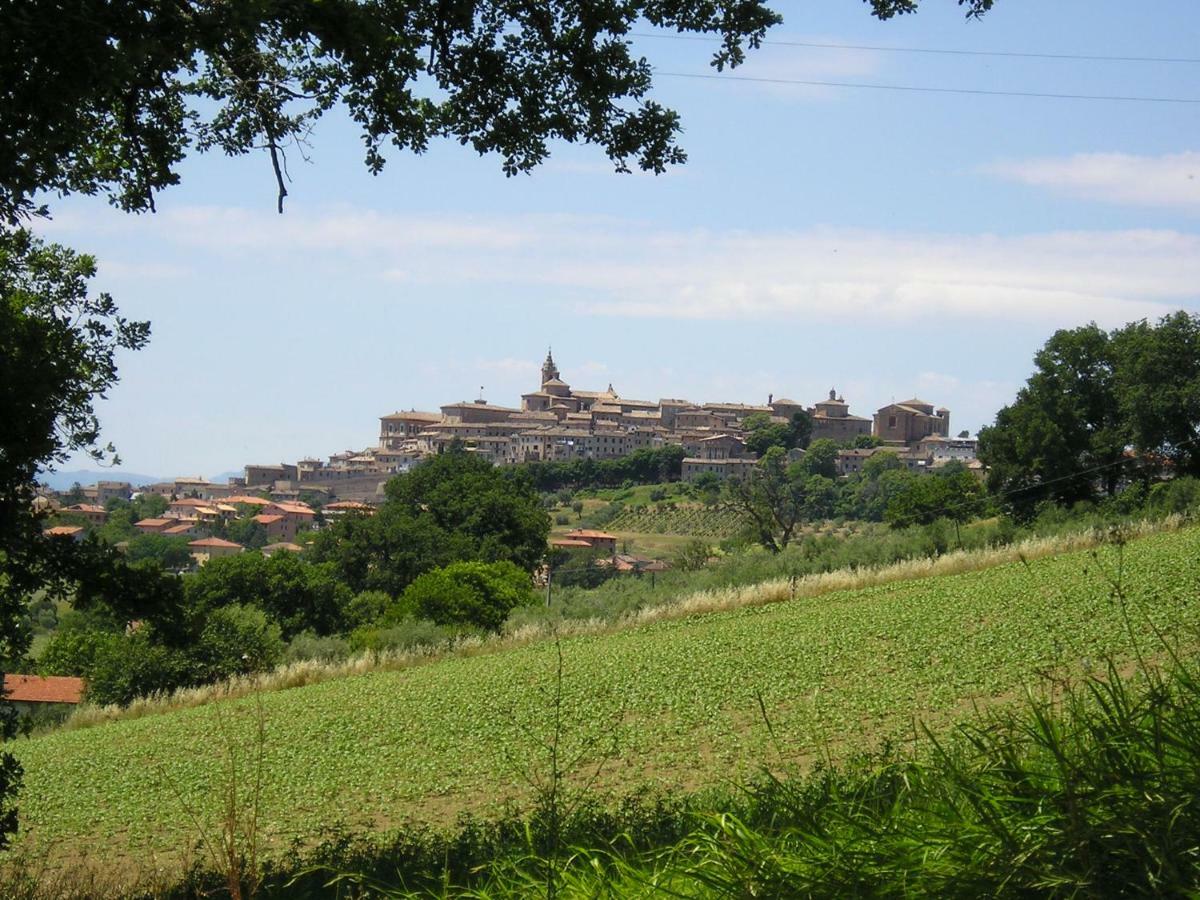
(879,242)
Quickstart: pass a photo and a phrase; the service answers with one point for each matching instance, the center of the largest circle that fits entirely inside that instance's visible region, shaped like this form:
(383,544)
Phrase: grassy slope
(677,696)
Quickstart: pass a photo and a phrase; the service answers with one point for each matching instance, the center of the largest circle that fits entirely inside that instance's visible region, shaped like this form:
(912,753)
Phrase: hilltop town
(557,422)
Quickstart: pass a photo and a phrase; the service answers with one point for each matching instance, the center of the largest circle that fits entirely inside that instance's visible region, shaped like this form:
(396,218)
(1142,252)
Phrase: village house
(208,548)
(74,532)
(35,692)
(281,547)
(155,525)
(93,514)
(113,490)
(600,541)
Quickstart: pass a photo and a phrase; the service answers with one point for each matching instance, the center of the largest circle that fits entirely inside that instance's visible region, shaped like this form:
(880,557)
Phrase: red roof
(266,519)
(214,542)
(296,509)
(63,530)
(589,534)
(87,508)
(152,523)
(568,542)
(36,689)
(247,499)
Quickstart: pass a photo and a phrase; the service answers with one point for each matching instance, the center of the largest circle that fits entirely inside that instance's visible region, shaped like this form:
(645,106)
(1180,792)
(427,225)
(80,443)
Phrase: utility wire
(1000,53)
(928,90)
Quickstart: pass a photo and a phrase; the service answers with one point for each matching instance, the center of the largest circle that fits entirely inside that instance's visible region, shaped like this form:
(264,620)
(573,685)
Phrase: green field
(691,520)
(677,699)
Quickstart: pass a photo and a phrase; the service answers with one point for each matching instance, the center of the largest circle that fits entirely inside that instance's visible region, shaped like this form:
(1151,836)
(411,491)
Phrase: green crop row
(697,521)
(675,703)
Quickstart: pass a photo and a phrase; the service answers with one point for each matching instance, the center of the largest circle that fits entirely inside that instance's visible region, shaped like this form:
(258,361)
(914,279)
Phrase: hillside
(675,702)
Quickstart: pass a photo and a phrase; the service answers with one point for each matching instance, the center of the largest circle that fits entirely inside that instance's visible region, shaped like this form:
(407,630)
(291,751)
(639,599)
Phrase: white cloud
(628,268)
(1171,180)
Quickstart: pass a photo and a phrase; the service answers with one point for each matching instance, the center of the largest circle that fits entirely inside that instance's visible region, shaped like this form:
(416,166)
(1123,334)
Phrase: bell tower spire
(549,369)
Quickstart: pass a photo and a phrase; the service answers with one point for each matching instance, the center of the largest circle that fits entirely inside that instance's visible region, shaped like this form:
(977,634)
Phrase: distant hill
(62,481)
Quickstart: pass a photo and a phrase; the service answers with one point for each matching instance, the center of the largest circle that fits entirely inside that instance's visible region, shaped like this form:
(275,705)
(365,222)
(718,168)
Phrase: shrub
(367,608)
(468,593)
(308,645)
(404,635)
(237,640)
(125,667)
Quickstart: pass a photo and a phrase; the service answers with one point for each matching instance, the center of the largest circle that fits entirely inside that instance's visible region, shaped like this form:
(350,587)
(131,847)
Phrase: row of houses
(556,422)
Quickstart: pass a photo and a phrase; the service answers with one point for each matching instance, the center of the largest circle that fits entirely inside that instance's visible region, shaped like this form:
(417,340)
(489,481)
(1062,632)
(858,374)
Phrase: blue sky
(883,243)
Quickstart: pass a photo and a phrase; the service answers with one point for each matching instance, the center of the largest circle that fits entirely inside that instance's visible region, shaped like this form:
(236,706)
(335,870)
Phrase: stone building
(910,421)
(831,420)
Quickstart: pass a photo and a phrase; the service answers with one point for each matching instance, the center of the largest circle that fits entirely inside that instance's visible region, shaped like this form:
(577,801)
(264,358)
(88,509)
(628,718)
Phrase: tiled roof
(568,542)
(152,523)
(415,416)
(178,529)
(214,542)
(63,530)
(190,501)
(284,545)
(295,509)
(267,519)
(589,533)
(87,508)
(36,689)
(248,500)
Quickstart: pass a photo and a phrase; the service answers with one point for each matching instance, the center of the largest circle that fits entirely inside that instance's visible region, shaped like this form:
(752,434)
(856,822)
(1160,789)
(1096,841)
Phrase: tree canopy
(110,97)
(1094,396)
(454,507)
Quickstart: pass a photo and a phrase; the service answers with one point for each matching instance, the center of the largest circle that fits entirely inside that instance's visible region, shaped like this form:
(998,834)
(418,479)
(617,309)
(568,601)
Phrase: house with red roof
(29,692)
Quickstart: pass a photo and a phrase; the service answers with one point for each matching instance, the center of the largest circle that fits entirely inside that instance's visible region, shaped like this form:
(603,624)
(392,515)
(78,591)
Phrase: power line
(929,90)
(1000,53)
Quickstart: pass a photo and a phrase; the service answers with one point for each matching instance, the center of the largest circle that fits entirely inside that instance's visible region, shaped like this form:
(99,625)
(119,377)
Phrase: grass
(836,672)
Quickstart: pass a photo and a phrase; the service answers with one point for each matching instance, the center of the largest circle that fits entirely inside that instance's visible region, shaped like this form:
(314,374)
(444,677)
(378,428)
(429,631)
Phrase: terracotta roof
(36,689)
(415,416)
(178,529)
(348,504)
(284,545)
(568,542)
(152,523)
(63,530)
(589,533)
(87,508)
(248,500)
(295,509)
(214,542)
(266,519)
(190,501)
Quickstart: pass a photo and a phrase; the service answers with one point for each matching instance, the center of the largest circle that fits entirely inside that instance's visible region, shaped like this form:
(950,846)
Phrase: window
(891,421)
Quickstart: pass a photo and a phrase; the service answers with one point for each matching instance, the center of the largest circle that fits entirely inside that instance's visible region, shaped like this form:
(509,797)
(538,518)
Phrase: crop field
(672,704)
(691,520)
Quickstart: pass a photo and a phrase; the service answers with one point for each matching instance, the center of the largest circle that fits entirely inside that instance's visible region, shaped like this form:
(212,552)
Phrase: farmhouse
(29,692)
